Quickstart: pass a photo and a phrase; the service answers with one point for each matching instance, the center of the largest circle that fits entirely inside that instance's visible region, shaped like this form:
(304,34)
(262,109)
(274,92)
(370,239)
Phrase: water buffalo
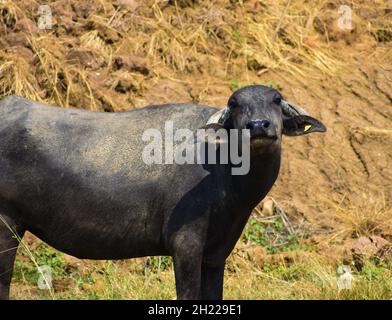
(76,179)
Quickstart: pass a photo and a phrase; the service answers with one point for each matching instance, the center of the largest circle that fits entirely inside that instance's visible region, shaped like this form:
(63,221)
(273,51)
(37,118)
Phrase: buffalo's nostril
(250,125)
(265,123)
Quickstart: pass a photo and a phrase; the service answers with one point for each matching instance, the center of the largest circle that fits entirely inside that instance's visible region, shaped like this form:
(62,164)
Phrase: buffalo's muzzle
(261,129)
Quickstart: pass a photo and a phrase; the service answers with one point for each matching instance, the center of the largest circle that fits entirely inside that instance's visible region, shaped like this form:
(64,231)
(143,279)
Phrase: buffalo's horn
(219,117)
(291,110)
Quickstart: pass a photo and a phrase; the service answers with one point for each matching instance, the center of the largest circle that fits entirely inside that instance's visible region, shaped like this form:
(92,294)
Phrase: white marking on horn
(217,116)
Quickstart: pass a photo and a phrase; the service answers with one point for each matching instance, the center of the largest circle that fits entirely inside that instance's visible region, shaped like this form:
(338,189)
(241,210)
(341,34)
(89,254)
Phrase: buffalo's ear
(299,125)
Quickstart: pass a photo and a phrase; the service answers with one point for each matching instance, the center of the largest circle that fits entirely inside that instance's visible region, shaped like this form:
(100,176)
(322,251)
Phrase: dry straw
(220,40)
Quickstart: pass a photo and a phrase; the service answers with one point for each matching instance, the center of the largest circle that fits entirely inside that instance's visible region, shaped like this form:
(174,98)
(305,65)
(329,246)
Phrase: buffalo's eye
(232,103)
(277,100)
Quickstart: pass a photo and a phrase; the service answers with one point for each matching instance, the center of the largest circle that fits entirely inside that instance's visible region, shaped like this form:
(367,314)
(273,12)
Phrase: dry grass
(367,217)
(15,80)
(219,40)
(10,12)
(308,276)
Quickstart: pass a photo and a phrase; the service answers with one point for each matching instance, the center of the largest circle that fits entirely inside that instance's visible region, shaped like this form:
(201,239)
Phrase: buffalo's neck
(236,198)
(254,186)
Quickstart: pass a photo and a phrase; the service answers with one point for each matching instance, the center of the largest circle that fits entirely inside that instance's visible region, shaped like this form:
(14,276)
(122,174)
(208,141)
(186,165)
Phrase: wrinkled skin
(76,179)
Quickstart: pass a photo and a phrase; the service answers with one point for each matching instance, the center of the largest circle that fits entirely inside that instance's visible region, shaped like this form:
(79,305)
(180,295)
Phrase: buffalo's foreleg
(188,252)
(212,281)
(9,234)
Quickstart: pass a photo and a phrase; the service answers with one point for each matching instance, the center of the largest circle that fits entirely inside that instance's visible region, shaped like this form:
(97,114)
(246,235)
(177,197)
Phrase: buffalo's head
(263,111)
